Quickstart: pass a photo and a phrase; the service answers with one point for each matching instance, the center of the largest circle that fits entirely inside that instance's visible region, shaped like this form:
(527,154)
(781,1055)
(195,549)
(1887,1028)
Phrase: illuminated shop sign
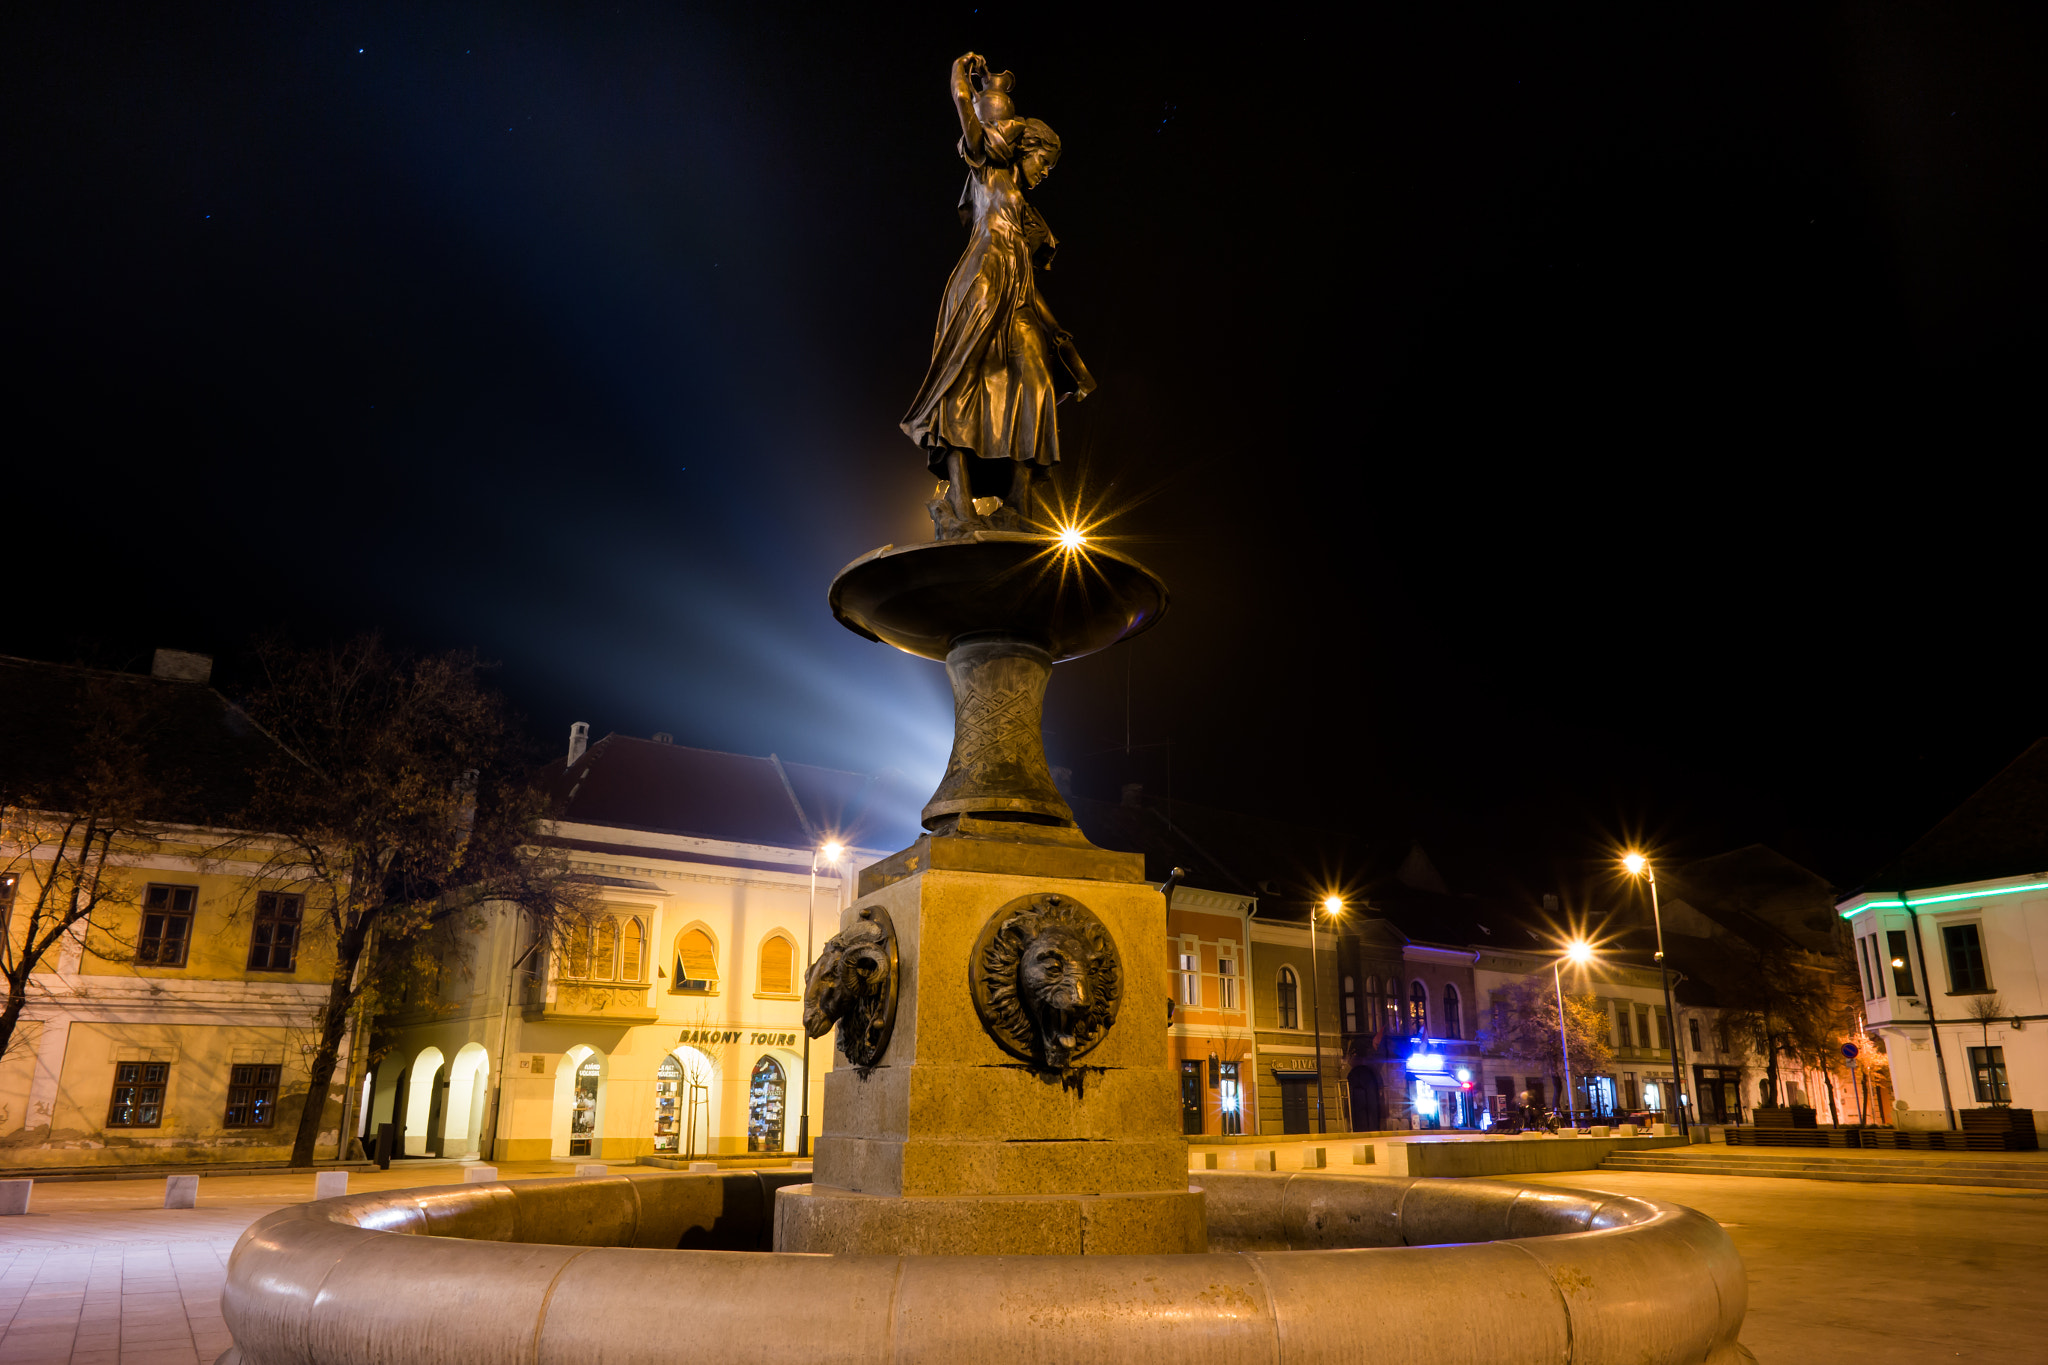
(713,1037)
(1425,1061)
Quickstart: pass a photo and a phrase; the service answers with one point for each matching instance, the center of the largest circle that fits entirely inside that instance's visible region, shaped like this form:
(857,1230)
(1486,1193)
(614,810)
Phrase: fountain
(1000,1174)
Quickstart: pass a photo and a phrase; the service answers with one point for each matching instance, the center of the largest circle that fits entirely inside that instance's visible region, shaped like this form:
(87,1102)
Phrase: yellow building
(670,1025)
(174,1025)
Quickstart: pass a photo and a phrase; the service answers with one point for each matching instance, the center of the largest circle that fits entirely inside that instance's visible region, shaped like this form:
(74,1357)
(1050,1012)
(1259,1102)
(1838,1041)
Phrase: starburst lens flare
(1634,862)
(1071,538)
(1579,951)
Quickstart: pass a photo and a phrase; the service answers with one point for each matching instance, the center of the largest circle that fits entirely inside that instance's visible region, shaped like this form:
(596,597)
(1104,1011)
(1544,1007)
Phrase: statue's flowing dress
(990,389)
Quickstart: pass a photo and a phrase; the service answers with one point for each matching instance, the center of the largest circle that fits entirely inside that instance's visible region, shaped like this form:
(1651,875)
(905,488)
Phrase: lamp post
(1332,907)
(1581,953)
(1639,866)
(832,852)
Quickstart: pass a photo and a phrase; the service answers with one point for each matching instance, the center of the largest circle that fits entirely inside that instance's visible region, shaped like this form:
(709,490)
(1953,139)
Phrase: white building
(672,1023)
(1952,952)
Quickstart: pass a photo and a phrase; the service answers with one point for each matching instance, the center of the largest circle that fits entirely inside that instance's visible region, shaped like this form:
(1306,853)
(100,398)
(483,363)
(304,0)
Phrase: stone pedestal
(951,1144)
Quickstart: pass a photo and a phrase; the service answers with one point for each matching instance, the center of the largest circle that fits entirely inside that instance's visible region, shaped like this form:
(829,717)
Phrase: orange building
(1207,945)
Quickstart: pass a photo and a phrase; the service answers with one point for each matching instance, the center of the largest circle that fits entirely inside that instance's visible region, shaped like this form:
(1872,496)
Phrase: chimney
(1133,792)
(179,666)
(579,740)
(663,737)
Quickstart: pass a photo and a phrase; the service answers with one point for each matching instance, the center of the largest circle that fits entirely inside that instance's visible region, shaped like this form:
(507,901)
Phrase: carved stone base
(817,1218)
(997,767)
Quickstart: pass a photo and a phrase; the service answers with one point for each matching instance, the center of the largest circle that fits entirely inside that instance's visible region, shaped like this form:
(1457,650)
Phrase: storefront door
(583,1117)
(1230,1100)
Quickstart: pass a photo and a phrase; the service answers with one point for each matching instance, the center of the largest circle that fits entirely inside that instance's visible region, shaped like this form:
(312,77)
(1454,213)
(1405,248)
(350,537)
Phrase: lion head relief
(853,984)
(1046,980)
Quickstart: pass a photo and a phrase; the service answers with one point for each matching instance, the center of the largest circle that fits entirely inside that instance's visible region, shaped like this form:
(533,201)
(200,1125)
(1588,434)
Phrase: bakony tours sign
(713,1037)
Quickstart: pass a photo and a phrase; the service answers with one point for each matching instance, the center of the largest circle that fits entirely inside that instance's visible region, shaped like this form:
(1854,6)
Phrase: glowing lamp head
(834,851)
(1333,906)
(1071,538)
(1898,962)
(1579,951)
(1635,863)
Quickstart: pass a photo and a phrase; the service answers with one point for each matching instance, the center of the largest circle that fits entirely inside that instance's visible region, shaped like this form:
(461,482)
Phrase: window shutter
(778,960)
(696,959)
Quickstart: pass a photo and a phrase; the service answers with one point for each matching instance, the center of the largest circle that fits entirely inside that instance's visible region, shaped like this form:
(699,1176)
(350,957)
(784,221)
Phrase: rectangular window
(1965,950)
(274,943)
(1621,1033)
(1643,1029)
(1534,1086)
(1191,980)
(1876,968)
(1902,962)
(166,926)
(1692,1026)
(1226,982)
(1987,1068)
(252,1095)
(138,1095)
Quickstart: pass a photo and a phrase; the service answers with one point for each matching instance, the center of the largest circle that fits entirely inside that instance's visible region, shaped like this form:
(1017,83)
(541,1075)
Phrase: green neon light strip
(2041,887)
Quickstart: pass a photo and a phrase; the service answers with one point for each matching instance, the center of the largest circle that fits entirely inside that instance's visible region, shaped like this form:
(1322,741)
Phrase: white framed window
(1190,973)
(1226,983)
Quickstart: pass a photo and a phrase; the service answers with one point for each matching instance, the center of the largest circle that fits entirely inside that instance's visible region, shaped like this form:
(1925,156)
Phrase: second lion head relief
(1046,980)
(853,984)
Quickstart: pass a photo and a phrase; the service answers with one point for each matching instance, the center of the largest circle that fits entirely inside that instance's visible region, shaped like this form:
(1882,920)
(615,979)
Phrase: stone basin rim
(564,1268)
(922,598)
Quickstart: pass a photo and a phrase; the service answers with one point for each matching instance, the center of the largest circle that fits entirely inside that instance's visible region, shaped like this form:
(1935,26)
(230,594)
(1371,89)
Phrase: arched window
(1418,1010)
(1289,996)
(1454,1020)
(1350,1004)
(576,948)
(632,948)
(764,1106)
(604,949)
(696,961)
(1392,1001)
(778,968)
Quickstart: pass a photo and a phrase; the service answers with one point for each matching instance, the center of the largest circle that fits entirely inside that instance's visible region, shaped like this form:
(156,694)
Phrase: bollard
(181,1191)
(1315,1158)
(1208,1161)
(592,1168)
(1361,1154)
(14,1196)
(472,1175)
(1263,1161)
(330,1184)
(703,1165)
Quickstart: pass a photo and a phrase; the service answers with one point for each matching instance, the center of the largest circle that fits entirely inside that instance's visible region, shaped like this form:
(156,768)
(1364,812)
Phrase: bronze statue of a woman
(1000,363)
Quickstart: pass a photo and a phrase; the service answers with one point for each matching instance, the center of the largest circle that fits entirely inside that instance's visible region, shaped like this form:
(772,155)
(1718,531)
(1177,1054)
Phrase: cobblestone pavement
(1875,1274)
(100,1273)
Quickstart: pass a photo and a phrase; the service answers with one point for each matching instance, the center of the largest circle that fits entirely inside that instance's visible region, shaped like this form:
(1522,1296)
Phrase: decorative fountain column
(1021,1099)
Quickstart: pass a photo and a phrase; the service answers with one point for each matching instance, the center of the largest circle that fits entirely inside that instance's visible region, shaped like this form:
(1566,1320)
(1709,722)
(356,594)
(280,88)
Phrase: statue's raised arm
(985,415)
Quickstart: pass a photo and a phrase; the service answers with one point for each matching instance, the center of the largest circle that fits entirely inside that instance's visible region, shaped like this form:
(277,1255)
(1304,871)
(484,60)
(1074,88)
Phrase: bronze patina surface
(1046,979)
(854,984)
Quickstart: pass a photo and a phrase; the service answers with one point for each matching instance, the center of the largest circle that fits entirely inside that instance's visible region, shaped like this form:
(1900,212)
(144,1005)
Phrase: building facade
(1208,943)
(1291,996)
(175,1025)
(670,1022)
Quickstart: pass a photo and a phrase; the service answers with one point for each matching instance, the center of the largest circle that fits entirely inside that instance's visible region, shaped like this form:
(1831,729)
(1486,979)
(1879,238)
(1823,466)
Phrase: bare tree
(1525,1025)
(1783,1002)
(56,839)
(397,802)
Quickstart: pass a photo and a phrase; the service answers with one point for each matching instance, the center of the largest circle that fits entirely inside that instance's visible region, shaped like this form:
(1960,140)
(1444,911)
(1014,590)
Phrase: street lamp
(831,852)
(1332,907)
(1639,866)
(1580,953)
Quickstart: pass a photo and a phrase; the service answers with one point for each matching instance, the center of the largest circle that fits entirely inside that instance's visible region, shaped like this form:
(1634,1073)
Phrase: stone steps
(2017,1175)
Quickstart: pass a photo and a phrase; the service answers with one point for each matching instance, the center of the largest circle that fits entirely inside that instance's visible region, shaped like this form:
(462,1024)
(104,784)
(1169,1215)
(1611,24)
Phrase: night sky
(1554,429)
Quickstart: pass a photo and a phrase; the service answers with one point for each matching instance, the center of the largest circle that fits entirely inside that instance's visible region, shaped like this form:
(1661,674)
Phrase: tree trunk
(10,1015)
(333,1028)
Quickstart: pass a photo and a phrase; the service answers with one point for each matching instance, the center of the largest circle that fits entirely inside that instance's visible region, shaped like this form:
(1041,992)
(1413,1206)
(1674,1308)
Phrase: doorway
(1365,1100)
(1293,1105)
(1191,1098)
